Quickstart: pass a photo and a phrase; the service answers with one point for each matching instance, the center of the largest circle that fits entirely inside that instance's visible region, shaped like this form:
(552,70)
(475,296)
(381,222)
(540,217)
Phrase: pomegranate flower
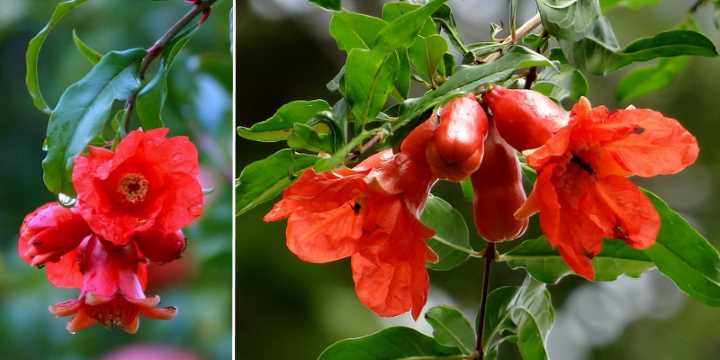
(370,214)
(50,232)
(112,289)
(150,181)
(582,191)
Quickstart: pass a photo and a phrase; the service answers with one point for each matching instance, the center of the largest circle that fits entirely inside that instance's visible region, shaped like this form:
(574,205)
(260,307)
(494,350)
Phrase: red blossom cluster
(131,206)
(370,213)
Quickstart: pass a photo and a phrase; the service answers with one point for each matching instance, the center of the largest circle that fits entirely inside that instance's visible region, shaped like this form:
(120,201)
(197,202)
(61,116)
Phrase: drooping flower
(582,191)
(150,181)
(498,191)
(49,232)
(456,148)
(370,214)
(112,289)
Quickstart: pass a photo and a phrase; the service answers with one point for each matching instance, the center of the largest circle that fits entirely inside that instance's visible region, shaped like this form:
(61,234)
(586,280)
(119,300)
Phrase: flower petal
(321,237)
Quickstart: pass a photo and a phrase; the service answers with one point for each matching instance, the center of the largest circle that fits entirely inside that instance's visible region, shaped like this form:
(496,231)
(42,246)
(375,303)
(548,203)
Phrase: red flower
(50,232)
(498,191)
(369,213)
(112,289)
(150,181)
(526,119)
(160,247)
(456,149)
(582,191)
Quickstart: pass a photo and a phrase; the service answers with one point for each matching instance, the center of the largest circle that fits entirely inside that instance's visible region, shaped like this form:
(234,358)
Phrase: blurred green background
(288,309)
(199,104)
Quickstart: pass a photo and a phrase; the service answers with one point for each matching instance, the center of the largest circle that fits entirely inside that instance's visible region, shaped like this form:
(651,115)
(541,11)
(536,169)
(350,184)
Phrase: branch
(157,49)
(520,33)
(489,257)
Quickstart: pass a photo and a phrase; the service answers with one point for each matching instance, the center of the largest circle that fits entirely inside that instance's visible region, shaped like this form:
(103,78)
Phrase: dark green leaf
(450,328)
(327,4)
(396,343)
(265,179)
(308,137)
(89,53)
(279,126)
(452,238)
(32,55)
(545,263)
(685,256)
(354,30)
(403,75)
(565,85)
(369,77)
(82,111)
(469,78)
(631,4)
(151,99)
(426,54)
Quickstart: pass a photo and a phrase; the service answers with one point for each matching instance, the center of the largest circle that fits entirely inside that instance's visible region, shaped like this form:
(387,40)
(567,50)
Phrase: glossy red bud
(50,232)
(416,142)
(456,149)
(498,192)
(526,119)
(160,247)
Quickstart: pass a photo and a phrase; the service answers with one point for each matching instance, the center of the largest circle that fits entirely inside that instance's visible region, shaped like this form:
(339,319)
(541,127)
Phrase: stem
(697,5)
(157,49)
(489,257)
(520,33)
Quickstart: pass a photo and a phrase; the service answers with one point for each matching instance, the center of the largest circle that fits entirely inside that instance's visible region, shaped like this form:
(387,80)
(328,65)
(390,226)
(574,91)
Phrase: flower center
(133,188)
(116,313)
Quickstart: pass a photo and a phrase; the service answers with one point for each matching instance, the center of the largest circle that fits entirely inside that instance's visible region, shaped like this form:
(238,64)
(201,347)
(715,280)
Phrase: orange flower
(582,191)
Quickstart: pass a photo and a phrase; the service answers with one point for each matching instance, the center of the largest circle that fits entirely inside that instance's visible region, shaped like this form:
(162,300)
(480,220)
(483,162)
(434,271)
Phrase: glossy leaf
(369,77)
(32,55)
(452,238)
(82,111)
(646,80)
(309,138)
(469,78)
(451,328)
(151,99)
(403,76)
(524,314)
(565,85)
(353,30)
(401,32)
(568,19)
(630,4)
(545,263)
(393,10)
(89,53)
(265,179)
(279,126)
(395,343)
(685,256)
(426,54)
(328,4)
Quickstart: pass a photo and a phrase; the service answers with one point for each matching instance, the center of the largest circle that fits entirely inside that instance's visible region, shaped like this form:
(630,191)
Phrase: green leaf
(89,53)
(467,190)
(82,111)
(395,343)
(151,99)
(265,179)
(339,156)
(354,30)
(308,137)
(646,80)
(32,55)
(452,238)
(524,314)
(565,85)
(401,32)
(568,19)
(393,10)
(469,78)
(403,76)
(545,263)
(451,328)
(426,54)
(369,77)
(630,4)
(279,126)
(685,256)
(327,4)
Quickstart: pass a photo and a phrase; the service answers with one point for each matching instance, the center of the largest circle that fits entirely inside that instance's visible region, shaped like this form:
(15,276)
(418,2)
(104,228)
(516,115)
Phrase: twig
(489,257)
(157,49)
(697,5)
(520,33)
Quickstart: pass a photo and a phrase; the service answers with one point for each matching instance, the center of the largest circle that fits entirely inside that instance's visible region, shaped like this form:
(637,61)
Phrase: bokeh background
(288,309)
(199,104)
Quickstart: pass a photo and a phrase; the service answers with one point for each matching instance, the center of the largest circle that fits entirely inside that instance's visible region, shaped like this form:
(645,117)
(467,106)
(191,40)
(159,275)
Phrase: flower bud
(456,149)
(160,247)
(498,192)
(526,119)
(50,232)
